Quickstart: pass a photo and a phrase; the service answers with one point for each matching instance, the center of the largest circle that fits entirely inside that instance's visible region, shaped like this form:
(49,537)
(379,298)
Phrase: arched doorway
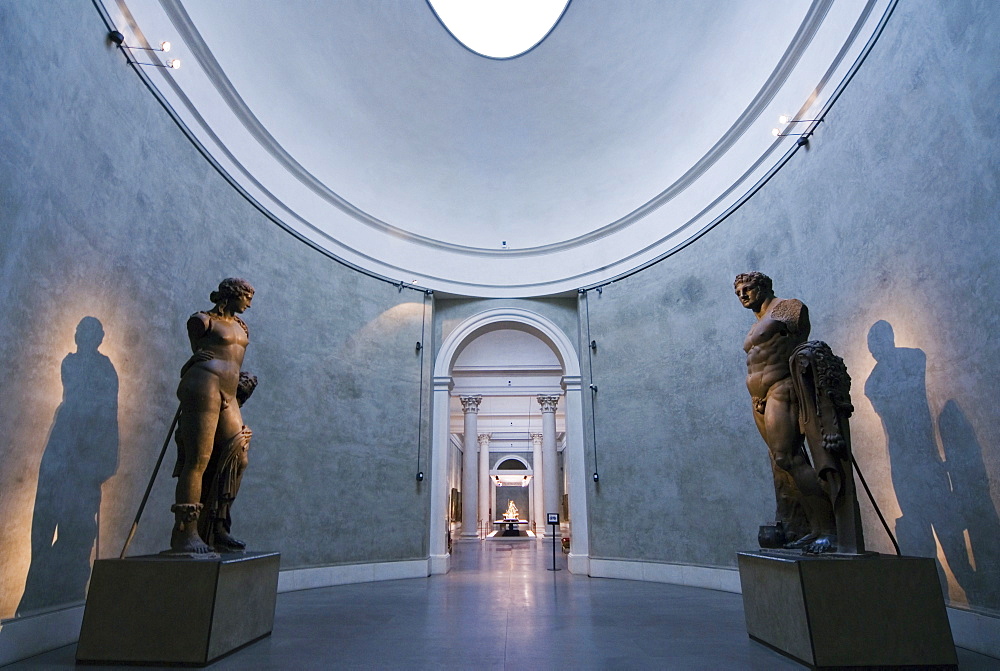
(567,393)
(511,495)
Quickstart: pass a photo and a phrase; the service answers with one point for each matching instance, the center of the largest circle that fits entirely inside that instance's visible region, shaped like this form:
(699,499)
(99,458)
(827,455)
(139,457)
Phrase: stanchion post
(553,519)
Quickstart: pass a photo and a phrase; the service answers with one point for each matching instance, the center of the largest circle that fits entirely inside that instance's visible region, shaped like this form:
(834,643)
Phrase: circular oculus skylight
(499,28)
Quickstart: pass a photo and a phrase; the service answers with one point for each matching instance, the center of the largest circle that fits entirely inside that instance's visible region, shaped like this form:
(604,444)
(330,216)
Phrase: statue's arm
(197,326)
(794,315)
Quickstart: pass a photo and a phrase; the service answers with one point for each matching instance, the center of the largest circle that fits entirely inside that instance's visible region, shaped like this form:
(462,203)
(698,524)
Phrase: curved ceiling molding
(630,133)
(499,29)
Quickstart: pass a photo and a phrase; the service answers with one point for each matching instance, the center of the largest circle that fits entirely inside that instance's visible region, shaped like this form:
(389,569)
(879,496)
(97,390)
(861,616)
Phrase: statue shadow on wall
(937,496)
(971,491)
(80,455)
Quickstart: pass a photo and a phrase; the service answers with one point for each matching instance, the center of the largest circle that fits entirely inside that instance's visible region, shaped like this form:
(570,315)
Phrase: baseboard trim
(973,631)
(29,636)
(722,579)
(294,580)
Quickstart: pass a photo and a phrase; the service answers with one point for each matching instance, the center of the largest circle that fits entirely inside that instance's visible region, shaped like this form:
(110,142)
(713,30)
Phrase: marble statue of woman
(212,440)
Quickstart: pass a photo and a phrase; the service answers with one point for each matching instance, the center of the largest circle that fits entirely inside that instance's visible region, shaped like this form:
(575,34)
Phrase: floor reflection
(80,455)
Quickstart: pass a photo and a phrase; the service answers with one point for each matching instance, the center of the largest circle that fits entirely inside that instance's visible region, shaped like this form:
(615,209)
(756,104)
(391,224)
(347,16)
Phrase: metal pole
(554,534)
(149,487)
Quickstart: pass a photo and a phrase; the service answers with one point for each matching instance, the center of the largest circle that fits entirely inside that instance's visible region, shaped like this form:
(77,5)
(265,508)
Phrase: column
(440,560)
(470,467)
(550,465)
(484,479)
(577,478)
(537,501)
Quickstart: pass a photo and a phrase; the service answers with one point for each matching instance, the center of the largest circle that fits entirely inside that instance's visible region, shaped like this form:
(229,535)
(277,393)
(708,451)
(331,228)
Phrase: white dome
(365,127)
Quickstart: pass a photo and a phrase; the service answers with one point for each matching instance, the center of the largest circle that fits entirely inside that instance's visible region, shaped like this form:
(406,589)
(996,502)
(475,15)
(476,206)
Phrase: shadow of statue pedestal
(827,612)
(159,609)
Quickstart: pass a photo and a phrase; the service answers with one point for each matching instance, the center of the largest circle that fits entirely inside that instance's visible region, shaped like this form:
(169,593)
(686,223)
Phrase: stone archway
(562,346)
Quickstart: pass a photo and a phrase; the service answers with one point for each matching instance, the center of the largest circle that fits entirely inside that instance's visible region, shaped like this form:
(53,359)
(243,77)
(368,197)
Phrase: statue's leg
(196,427)
(782,425)
(789,510)
(788,500)
(230,474)
(231,464)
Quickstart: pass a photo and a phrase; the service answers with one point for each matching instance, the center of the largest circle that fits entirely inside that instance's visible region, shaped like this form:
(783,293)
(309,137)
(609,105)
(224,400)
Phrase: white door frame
(540,327)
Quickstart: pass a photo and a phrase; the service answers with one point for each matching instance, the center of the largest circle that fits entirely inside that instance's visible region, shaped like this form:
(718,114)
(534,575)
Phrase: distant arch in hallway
(544,329)
(499,463)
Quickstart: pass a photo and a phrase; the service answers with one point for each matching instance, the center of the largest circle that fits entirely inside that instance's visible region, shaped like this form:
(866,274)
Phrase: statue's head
(233,289)
(753,289)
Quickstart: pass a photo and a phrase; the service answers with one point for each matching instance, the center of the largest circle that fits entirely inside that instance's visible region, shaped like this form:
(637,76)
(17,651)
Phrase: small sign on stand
(553,519)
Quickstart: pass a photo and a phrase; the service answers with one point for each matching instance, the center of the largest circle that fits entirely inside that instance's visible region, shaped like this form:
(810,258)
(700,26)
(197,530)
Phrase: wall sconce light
(786,120)
(119,40)
(420,476)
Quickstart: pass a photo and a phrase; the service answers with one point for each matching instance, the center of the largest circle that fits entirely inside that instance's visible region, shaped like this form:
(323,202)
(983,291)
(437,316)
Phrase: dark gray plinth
(161,609)
(831,613)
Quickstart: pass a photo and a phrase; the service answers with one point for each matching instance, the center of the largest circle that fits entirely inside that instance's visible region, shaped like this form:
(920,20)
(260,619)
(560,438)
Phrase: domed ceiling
(369,130)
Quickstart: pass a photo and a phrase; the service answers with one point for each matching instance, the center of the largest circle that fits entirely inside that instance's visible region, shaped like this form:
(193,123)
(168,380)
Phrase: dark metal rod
(149,487)
(877,510)
(420,407)
(590,366)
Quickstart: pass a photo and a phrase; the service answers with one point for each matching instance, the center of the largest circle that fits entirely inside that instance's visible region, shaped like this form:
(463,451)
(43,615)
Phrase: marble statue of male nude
(782,325)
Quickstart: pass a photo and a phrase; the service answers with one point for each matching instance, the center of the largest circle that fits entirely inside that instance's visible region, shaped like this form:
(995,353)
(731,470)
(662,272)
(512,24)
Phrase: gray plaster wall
(113,229)
(889,217)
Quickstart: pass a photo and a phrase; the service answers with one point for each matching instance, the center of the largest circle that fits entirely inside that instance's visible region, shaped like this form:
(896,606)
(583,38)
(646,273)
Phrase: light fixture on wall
(787,121)
(119,40)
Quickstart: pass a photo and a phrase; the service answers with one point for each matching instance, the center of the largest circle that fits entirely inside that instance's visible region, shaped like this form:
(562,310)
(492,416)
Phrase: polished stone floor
(500,608)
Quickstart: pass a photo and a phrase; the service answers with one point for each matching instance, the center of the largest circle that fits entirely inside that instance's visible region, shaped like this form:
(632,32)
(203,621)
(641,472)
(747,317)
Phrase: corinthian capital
(471,403)
(484,439)
(548,403)
(536,439)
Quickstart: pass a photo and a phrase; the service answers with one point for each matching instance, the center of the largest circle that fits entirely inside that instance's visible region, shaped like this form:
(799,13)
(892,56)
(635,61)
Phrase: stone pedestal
(827,612)
(166,610)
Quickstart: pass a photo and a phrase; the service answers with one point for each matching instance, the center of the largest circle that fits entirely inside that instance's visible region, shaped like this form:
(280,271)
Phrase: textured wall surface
(886,227)
(113,229)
